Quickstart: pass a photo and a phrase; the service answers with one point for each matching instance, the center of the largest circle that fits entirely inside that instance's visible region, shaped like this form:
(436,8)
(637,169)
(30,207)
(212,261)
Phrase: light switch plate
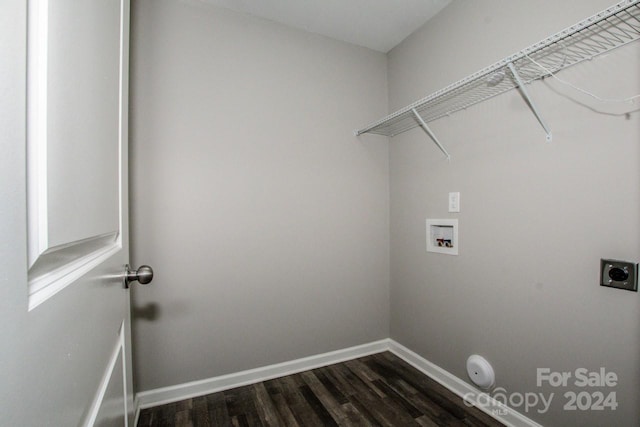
(619,274)
(454,202)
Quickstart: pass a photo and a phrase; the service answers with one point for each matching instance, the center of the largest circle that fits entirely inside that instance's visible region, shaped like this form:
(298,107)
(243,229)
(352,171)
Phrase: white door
(64,317)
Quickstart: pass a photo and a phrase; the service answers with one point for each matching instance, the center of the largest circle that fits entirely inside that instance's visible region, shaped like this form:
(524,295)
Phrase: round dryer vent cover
(480,371)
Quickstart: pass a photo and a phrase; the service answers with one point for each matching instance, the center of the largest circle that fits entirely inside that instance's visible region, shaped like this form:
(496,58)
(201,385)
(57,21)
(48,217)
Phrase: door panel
(64,312)
(82,170)
(109,407)
(75,139)
(111,411)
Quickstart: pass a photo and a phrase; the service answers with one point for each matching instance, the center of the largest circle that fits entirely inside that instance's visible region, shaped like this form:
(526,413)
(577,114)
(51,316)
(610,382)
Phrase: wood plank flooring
(377,390)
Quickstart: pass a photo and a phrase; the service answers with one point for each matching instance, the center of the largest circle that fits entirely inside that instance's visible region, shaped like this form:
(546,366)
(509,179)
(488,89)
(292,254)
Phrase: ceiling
(377,24)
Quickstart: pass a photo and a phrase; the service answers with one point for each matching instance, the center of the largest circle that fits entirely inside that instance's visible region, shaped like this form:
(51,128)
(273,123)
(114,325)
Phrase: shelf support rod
(532,105)
(428,131)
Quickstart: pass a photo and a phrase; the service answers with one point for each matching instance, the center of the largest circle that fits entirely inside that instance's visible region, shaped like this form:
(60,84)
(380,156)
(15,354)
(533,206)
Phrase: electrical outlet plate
(619,274)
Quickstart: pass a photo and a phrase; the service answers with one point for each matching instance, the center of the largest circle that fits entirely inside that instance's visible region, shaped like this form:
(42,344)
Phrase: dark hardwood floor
(377,390)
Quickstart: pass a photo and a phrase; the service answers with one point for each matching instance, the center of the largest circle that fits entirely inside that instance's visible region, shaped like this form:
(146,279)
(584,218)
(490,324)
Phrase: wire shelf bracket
(614,27)
(430,133)
(532,105)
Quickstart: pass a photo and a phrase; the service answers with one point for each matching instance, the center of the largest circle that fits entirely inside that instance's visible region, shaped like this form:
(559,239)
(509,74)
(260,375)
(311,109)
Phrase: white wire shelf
(613,27)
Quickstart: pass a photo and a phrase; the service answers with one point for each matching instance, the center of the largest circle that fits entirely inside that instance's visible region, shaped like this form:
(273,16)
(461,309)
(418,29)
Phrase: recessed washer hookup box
(442,236)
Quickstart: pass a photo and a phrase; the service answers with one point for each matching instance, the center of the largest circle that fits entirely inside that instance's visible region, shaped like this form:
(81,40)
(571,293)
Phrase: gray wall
(536,218)
(267,222)
(265,219)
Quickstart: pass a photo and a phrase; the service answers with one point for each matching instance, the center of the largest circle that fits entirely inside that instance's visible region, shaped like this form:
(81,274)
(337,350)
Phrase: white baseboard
(494,408)
(161,396)
(497,410)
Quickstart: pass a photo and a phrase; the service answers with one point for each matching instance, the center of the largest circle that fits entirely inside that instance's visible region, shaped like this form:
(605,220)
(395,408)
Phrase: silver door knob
(143,275)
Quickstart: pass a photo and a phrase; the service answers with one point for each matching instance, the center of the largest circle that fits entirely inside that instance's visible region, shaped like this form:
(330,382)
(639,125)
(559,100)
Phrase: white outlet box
(442,236)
